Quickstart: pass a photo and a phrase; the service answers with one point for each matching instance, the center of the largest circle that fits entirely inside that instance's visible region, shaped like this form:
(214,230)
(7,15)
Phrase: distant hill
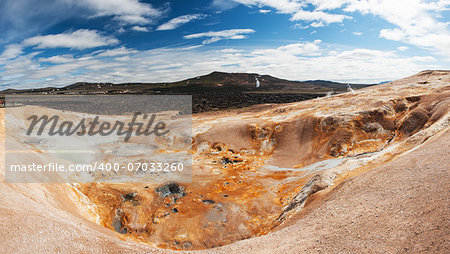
(337,85)
(213,81)
(217,90)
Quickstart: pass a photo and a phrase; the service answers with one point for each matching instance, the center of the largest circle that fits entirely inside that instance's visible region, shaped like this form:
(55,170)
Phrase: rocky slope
(348,172)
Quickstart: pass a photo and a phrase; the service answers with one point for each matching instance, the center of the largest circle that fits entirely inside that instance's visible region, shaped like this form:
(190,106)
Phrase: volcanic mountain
(217,90)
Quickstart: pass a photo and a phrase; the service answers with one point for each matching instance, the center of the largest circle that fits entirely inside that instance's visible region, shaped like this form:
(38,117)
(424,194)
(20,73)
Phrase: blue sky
(60,42)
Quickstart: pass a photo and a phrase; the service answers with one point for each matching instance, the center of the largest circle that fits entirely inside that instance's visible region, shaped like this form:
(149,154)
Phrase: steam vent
(270,177)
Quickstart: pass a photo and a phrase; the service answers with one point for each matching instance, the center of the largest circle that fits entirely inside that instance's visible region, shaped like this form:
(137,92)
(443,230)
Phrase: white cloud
(80,39)
(313,24)
(402,48)
(317,24)
(230,50)
(58,59)
(295,61)
(357,33)
(320,16)
(283,6)
(299,26)
(292,50)
(296,9)
(117,52)
(414,20)
(140,28)
(233,34)
(20,65)
(11,51)
(328,4)
(122,58)
(178,21)
(264,11)
(127,11)
(392,34)
(424,59)
(440,5)
(132,19)
(223,5)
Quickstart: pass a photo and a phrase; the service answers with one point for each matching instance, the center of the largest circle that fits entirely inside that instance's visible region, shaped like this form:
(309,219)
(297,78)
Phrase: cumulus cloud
(296,9)
(317,24)
(291,50)
(80,39)
(127,11)
(319,16)
(358,33)
(178,21)
(403,48)
(328,4)
(140,28)
(415,21)
(233,34)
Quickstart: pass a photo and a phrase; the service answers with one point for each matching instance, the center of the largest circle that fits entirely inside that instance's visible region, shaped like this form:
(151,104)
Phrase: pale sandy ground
(402,206)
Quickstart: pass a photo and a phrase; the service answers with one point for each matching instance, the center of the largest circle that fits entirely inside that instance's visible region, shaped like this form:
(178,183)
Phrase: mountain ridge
(214,91)
(214,79)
